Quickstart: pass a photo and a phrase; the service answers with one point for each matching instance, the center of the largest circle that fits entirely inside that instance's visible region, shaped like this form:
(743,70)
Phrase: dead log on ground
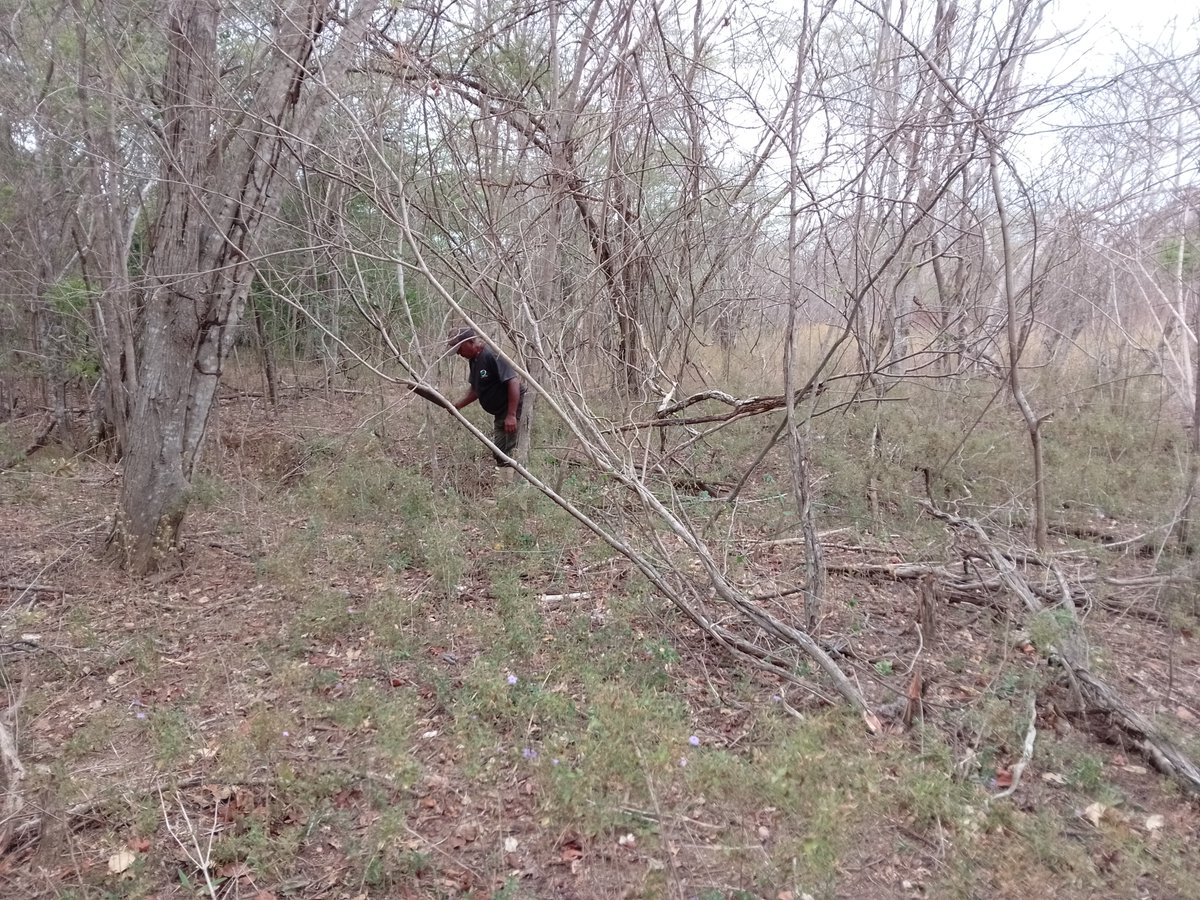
(1070,653)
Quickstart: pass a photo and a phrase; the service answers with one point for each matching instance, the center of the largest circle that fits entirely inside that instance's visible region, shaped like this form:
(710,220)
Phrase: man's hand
(510,423)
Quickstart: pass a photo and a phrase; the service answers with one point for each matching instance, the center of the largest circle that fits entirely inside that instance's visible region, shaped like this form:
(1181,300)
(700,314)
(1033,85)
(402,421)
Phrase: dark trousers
(501,438)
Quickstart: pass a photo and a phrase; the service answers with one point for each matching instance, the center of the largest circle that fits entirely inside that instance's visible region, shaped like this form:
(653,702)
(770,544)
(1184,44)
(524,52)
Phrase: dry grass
(362,684)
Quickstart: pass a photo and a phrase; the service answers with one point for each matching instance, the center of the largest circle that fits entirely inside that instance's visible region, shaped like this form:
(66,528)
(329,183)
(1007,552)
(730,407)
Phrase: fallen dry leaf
(121,860)
(510,845)
(1053,778)
(571,852)
(1154,823)
(1094,813)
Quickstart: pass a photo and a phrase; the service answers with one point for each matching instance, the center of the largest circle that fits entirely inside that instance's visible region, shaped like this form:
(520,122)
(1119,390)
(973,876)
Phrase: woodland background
(853,549)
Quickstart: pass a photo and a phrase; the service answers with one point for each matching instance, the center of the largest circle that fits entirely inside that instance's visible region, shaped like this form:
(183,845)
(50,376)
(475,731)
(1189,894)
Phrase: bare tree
(224,148)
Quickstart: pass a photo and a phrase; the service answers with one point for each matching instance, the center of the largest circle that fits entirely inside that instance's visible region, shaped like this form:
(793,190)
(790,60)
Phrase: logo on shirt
(483,373)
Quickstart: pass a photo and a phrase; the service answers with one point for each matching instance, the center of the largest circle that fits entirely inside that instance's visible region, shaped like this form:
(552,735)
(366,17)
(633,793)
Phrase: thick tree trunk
(175,386)
(180,368)
(218,186)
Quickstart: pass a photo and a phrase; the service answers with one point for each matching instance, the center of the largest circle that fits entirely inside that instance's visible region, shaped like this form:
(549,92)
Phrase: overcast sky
(1103,24)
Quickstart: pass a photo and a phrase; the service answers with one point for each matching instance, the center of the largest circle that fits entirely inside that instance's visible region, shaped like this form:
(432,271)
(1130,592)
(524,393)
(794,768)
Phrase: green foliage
(519,617)
(1110,458)
(376,651)
(1048,627)
(205,491)
(325,616)
(1171,251)
(170,735)
(1088,773)
(70,301)
(397,520)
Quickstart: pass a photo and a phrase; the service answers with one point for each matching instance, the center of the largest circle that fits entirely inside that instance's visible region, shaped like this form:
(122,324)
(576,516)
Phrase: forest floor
(380,677)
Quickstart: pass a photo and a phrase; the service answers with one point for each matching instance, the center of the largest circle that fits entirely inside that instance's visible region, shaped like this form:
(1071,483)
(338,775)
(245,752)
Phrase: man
(495,385)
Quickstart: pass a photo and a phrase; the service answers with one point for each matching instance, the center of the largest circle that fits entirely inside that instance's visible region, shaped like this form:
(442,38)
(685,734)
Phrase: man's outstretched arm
(467,400)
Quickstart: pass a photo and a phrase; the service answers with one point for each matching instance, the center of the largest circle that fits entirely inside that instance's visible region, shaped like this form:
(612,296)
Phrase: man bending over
(494,384)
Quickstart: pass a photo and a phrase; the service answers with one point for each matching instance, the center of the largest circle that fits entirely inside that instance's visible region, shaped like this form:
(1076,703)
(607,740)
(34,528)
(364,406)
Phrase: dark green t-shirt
(489,376)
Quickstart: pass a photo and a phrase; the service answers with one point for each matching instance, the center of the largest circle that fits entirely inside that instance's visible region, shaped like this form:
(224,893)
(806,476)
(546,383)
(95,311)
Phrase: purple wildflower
(529,753)
(512,679)
(694,741)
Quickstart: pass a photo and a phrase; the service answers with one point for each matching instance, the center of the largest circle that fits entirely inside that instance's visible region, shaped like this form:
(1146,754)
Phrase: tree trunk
(1033,422)
(799,433)
(1185,530)
(175,385)
(218,188)
(268,358)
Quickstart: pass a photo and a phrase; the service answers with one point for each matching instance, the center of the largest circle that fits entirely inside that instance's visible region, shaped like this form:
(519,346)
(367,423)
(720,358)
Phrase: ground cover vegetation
(851,551)
(377,677)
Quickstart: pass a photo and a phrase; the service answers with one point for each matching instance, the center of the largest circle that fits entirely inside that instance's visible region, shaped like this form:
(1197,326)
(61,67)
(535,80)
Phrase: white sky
(1100,32)
(1104,26)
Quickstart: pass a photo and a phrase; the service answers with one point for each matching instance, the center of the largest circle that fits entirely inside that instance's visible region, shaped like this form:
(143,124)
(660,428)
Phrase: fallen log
(1162,753)
(1095,694)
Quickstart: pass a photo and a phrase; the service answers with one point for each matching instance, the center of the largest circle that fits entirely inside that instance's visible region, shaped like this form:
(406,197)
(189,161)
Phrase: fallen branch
(1094,694)
(40,440)
(12,769)
(74,816)
(720,396)
(1026,752)
(203,858)
(40,588)
(740,409)
(559,598)
(946,575)
(1160,750)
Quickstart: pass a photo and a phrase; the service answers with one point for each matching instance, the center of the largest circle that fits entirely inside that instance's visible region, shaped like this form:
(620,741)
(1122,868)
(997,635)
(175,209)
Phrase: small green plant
(1048,627)
(170,735)
(205,491)
(1008,684)
(443,555)
(1088,773)
(510,890)
(95,733)
(660,650)
(519,616)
